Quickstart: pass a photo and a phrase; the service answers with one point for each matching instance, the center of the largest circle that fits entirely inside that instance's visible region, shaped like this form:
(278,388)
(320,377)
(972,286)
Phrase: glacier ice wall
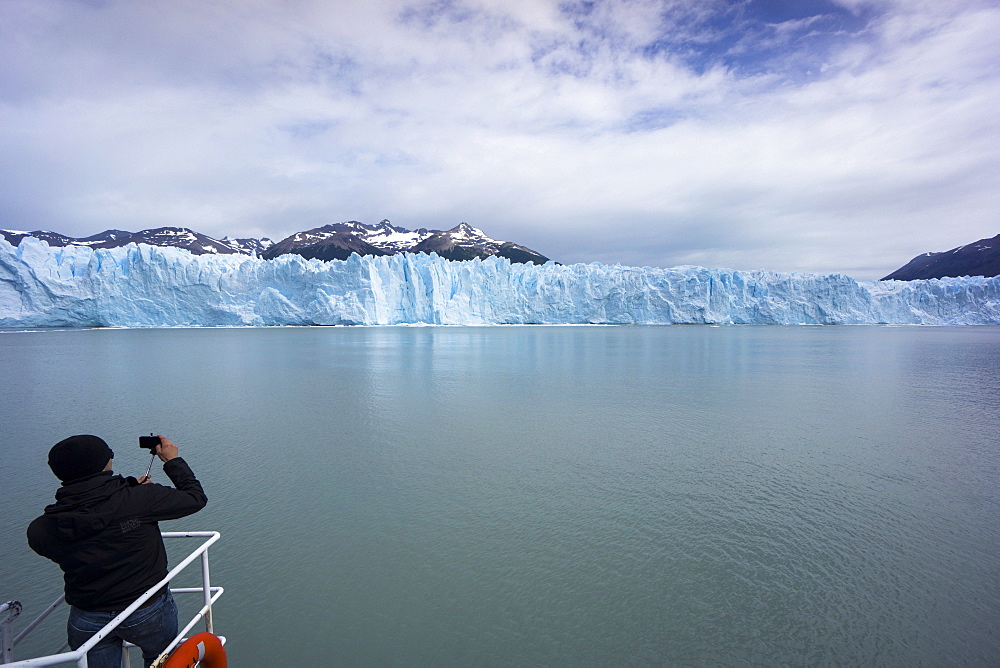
(136,286)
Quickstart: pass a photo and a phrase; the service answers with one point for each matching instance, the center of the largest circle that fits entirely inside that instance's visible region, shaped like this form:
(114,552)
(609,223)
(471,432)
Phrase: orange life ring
(204,647)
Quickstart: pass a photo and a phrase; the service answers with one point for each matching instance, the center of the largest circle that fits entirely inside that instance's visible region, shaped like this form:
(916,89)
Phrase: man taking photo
(103,532)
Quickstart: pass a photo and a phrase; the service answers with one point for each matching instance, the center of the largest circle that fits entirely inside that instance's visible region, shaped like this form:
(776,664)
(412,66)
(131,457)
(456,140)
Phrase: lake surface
(548,495)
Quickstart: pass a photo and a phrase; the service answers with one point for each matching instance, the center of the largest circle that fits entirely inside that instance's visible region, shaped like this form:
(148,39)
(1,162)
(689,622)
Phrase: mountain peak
(981,258)
(329,242)
(339,240)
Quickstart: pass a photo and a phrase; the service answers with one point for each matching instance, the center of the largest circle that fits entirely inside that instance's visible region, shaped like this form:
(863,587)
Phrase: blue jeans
(150,628)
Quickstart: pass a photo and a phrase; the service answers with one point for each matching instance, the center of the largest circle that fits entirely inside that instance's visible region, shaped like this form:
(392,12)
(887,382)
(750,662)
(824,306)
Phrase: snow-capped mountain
(330,242)
(249,245)
(464,242)
(176,237)
(339,240)
(981,258)
(105,239)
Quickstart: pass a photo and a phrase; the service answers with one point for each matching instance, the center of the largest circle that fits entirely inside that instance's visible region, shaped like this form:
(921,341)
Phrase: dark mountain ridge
(330,242)
(176,237)
(981,258)
(338,241)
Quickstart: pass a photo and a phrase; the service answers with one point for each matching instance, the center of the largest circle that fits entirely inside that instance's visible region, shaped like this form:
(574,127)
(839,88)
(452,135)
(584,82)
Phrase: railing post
(9,612)
(205,580)
(45,613)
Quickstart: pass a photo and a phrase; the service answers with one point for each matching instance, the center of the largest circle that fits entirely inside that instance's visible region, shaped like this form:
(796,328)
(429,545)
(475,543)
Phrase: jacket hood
(82,507)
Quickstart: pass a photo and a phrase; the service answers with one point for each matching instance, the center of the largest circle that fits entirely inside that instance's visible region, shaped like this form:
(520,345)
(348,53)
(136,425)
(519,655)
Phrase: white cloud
(554,130)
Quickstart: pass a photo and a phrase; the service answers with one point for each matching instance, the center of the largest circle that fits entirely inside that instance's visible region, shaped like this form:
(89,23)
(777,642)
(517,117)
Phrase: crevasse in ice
(147,286)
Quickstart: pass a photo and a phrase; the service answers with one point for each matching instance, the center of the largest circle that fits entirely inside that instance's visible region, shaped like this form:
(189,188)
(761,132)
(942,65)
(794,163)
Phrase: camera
(149,443)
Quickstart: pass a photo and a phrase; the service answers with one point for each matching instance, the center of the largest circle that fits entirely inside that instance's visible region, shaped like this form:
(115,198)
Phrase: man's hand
(143,480)
(166,450)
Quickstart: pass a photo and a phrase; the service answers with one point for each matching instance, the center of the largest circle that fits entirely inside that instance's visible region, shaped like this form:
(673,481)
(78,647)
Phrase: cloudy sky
(794,135)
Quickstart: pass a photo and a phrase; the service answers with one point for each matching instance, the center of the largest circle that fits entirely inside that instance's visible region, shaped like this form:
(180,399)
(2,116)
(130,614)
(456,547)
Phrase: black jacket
(102,531)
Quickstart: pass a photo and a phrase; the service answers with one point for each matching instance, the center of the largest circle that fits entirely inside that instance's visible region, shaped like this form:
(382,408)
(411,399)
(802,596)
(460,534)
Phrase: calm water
(559,496)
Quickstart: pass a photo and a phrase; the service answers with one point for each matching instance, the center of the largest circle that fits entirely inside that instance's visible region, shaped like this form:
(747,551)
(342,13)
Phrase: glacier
(151,286)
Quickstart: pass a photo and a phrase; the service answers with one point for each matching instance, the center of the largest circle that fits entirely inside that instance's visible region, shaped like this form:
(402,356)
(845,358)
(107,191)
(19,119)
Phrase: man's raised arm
(185,497)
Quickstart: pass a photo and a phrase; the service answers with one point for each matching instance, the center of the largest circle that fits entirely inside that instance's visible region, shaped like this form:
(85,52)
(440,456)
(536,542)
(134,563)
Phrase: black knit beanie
(79,456)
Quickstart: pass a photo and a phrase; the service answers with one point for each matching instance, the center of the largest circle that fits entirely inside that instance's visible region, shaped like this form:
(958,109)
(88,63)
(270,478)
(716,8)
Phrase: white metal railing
(10,610)
(8,613)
